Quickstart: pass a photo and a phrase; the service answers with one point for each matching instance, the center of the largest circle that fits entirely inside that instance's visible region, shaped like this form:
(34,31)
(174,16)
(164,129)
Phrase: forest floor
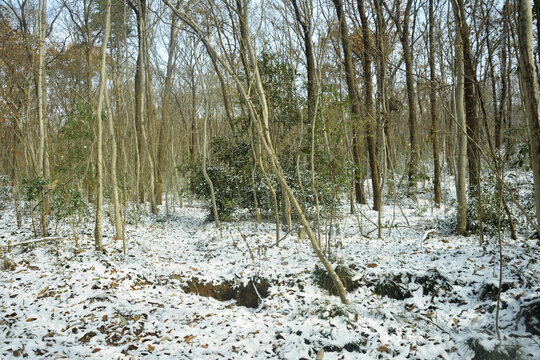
(415,294)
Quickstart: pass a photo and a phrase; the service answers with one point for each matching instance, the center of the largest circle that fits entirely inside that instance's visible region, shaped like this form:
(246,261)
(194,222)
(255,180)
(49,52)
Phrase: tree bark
(461,186)
(529,84)
(41,98)
(370,120)
(139,9)
(433,109)
(350,79)
(99,161)
(473,125)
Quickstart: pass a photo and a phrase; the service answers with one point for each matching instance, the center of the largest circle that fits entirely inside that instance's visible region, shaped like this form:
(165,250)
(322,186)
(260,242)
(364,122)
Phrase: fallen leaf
(383,348)
(518,296)
(30,319)
(137,318)
(193,268)
(43,291)
(188,338)
(96,350)
(150,347)
(430,314)
(455,321)
(372,265)
(205,346)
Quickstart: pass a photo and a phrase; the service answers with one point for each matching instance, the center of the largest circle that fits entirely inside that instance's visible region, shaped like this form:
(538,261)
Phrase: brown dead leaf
(372,265)
(96,350)
(137,318)
(54,184)
(151,348)
(193,268)
(188,338)
(383,348)
(205,346)
(518,296)
(30,319)
(430,314)
(43,291)
(455,321)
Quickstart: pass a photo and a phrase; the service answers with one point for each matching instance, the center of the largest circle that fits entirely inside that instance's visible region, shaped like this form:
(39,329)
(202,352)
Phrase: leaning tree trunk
(531,95)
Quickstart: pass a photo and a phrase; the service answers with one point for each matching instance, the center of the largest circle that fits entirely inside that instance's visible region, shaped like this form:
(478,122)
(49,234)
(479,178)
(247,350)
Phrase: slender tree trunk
(529,84)
(353,95)
(139,9)
(205,174)
(99,160)
(403,30)
(461,186)
(370,120)
(433,109)
(473,125)
(147,132)
(41,97)
(165,109)
(501,114)
(114,173)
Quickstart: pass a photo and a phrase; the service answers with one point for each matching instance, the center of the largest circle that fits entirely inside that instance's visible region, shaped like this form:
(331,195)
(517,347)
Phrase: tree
(529,83)
(402,28)
(473,126)
(43,163)
(370,123)
(370,119)
(433,110)
(461,184)
(99,160)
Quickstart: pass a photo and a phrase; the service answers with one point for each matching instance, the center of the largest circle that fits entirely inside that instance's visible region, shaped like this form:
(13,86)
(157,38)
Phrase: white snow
(59,303)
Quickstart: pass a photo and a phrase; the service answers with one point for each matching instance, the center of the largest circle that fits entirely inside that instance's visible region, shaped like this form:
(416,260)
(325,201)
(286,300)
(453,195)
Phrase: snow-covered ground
(60,303)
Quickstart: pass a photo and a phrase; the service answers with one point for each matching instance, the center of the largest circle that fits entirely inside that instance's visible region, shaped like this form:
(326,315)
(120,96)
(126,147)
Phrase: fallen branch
(29,242)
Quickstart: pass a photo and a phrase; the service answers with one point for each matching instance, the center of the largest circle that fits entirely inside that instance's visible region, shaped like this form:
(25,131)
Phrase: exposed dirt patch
(345,274)
(530,315)
(249,295)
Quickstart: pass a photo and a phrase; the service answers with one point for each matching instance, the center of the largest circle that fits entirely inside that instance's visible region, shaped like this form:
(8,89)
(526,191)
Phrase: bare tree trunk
(147,130)
(99,161)
(501,114)
(461,185)
(353,95)
(205,173)
(371,121)
(434,116)
(411,97)
(473,126)
(529,84)
(139,8)
(42,148)
(114,174)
